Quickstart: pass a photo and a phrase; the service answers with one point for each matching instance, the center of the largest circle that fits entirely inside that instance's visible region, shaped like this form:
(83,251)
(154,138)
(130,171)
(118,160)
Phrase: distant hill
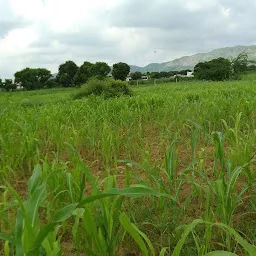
(188,62)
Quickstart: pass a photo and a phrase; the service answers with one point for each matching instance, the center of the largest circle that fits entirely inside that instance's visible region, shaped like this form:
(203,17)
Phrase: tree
(8,85)
(172,73)
(120,71)
(215,70)
(251,68)
(136,75)
(100,70)
(84,73)
(32,79)
(240,63)
(52,82)
(66,73)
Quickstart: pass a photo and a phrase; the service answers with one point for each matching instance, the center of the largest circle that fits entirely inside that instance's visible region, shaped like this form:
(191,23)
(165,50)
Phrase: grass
(168,171)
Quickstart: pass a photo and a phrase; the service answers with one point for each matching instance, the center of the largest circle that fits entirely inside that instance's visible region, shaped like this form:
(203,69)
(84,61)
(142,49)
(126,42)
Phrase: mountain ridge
(188,62)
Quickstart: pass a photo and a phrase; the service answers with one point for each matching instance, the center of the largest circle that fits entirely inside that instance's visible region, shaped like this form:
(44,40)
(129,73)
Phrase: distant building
(19,88)
(190,74)
(129,78)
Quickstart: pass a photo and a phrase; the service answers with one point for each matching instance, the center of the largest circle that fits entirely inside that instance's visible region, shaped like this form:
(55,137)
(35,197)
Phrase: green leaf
(17,197)
(22,207)
(79,212)
(6,249)
(34,202)
(44,231)
(90,177)
(64,213)
(19,232)
(82,186)
(34,252)
(69,181)
(34,179)
(146,239)
(184,235)
(136,191)
(127,225)
(251,249)
(171,161)
(163,251)
(233,179)
(220,253)
(7,238)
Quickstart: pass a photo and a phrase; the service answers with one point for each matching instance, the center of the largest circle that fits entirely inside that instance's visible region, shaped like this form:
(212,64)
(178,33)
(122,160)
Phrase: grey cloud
(9,22)
(179,27)
(163,25)
(7,25)
(163,14)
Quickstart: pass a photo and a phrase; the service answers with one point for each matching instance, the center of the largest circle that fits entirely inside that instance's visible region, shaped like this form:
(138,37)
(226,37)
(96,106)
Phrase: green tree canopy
(31,78)
(66,74)
(88,70)
(8,85)
(84,73)
(136,75)
(240,63)
(120,71)
(101,70)
(215,70)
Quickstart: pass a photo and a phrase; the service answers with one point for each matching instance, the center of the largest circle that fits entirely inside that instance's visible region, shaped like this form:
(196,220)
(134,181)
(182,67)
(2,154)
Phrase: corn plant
(30,238)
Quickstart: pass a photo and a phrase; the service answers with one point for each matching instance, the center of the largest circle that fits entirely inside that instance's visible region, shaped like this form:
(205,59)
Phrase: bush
(108,88)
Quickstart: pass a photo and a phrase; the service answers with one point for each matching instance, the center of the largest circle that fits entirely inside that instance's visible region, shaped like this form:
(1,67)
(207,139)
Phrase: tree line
(158,75)
(69,74)
(222,69)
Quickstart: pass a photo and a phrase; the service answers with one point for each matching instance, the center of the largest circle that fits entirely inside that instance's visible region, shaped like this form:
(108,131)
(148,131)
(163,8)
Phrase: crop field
(168,171)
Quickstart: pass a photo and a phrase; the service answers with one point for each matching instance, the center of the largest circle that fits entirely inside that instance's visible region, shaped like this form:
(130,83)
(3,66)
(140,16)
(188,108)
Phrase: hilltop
(188,62)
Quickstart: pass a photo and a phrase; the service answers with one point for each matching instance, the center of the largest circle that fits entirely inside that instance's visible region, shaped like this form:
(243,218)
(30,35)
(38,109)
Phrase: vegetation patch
(108,88)
(169,171)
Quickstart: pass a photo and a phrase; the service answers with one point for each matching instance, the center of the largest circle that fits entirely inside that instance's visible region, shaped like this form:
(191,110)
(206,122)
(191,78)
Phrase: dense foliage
(69,75)
(223,69)
(136,75)
(215,70)
(32,78)
(66,73)
(120,71)
(108,88)
(7,85)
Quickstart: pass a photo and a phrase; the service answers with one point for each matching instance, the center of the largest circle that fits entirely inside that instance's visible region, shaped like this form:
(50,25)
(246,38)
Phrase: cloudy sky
(46,33)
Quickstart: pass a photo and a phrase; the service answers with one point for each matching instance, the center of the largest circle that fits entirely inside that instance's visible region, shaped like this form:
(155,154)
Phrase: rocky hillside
(188,62)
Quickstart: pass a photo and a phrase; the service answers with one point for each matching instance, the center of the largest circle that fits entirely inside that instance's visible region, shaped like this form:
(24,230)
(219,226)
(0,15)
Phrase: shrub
(108,88)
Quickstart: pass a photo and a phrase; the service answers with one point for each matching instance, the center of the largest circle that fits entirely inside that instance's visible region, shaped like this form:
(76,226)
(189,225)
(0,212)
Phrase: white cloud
(17,40)
(47,32)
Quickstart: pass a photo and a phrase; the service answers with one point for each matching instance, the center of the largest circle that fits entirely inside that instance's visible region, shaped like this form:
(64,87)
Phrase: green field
(168,171)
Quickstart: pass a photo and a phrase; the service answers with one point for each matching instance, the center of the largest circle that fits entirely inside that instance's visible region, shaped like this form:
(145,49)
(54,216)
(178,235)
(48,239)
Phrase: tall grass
(168,171)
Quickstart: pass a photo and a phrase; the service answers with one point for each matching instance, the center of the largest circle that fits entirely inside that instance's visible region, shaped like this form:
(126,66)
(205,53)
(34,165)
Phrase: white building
(19,87)
(190,74)
(144,77)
